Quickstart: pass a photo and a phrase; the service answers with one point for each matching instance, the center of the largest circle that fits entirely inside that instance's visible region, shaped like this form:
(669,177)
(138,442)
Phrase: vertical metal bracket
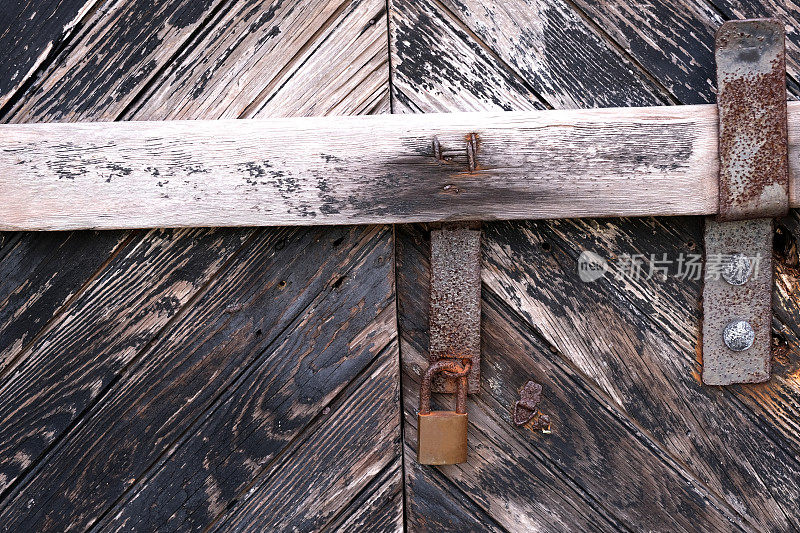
(455,305)
(753,187)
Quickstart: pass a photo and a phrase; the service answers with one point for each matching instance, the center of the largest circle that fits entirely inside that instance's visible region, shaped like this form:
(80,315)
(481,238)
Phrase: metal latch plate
(455,311)
(726,303)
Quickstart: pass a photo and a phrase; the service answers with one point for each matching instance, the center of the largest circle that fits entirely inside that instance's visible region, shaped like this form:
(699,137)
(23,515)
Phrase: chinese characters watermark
(592,266)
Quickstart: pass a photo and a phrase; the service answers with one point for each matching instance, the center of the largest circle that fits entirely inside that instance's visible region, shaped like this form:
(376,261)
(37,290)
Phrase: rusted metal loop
(454,368)
(527,406)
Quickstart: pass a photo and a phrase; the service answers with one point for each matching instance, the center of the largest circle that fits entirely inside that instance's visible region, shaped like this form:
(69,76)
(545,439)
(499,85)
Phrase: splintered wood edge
(370,169)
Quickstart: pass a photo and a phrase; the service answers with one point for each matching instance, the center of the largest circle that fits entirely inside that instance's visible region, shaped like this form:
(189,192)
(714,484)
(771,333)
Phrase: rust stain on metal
(724,303)
(753,185)
(456,369)
(527,407)
(455,302)
(751,99)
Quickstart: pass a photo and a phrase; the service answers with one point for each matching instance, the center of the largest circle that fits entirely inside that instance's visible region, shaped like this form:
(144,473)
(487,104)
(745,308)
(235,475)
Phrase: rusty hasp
(753,186)
(455,304)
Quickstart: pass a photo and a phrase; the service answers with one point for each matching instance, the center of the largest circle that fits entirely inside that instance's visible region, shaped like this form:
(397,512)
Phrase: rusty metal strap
(753,185)
(751,99)
(455,305)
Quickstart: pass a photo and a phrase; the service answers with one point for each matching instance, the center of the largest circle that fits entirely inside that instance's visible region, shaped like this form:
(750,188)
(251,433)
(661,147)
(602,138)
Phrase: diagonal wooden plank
(119,52)
(80,354)
(258,51)
(557,52)
(439,505)
(39,276)
(30,33)
(181,376)
(773,406)
(261,418)
(359,86)
(379,506)
(586,346)
(333,465)
(105,106)
(438,67)
(643,368)
(776,404)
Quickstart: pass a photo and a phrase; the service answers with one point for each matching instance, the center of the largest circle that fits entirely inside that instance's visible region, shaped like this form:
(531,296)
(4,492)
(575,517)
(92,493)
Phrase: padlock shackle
(456,369)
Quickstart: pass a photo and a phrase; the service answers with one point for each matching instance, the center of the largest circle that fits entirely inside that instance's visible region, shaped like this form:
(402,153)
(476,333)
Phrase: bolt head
(739,335)
(737,269)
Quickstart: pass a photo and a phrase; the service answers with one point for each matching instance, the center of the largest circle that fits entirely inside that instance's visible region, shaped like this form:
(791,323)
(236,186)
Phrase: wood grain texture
(121,49)
(30,33)
(358,441)
(310,171)
(645,366)
(636,161)
(279,58)
(269,320)
(556,51)
(74,360)
(130,69)
(630,343)
(41,275)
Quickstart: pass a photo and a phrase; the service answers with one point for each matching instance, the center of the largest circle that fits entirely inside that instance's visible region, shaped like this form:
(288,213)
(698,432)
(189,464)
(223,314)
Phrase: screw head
(739,335)
(737,269)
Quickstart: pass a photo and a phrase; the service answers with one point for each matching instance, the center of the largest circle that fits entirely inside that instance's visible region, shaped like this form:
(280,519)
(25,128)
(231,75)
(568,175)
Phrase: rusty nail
(472,152)
(437,149)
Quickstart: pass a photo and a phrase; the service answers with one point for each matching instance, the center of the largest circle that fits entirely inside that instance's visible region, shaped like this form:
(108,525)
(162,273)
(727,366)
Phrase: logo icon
(591,266)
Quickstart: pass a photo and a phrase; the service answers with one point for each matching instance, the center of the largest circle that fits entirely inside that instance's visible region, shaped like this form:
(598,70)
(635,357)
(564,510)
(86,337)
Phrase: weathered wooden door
(266,379)
(637,442)
(194,379)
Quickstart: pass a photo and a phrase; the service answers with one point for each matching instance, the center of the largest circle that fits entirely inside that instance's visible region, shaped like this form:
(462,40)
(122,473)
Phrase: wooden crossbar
(371,169)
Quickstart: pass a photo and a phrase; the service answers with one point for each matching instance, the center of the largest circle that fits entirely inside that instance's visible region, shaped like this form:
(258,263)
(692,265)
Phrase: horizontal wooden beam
(372,169)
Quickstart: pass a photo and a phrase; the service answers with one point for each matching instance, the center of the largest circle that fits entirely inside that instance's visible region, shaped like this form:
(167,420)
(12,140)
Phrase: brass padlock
(442,435)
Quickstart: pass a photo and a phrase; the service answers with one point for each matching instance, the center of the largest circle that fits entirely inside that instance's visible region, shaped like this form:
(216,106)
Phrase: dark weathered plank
(379,506)
(285,56)
(434,61)
(40,274)
(30,32)
(673,40)
(129,66)
(244,439)
(590,438)
(103,330)
(357,440)
(439,506)
(292,296)
(556,51)
(776,404)
(632,341)
(123,48)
